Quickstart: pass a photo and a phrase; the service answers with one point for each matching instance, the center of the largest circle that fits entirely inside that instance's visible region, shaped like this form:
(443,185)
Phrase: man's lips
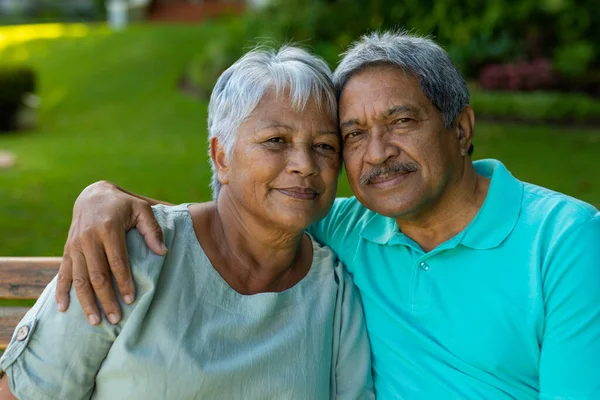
(300,193)
(387,180)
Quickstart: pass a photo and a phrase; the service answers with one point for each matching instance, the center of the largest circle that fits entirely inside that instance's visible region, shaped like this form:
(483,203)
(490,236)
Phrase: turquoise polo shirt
(507,309)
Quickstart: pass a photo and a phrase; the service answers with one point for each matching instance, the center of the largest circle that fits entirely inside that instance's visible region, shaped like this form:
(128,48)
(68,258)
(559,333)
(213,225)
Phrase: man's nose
(380,148)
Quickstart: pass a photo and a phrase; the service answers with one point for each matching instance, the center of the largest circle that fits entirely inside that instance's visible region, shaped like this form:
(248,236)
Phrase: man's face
(399,156)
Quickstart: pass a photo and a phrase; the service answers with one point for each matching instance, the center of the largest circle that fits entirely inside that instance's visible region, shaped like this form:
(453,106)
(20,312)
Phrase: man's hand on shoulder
(5,393)
(95,247)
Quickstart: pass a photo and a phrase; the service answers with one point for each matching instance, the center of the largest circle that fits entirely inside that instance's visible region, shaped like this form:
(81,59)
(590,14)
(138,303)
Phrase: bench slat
(26,277)
(9,318)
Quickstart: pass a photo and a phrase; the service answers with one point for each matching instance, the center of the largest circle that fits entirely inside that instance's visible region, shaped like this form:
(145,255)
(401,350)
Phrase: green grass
(111,111)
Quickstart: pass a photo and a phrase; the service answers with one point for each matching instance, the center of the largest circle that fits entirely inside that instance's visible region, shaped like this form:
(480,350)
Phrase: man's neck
(451,213)
(252,257)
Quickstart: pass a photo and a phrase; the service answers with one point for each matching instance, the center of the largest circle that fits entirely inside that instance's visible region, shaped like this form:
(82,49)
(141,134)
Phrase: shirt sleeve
(54,355)
(570,352)
(353,377)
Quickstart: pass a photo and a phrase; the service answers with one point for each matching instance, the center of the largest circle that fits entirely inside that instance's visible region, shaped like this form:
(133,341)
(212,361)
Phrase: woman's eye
(275,140)
(325,146)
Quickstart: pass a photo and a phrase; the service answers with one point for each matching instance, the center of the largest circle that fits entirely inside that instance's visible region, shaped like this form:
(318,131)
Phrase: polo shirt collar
(493,223)
(500,211)
(379,229)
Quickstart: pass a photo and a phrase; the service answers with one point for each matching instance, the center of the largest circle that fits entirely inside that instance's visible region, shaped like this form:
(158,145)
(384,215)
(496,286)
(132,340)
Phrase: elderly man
(475,285)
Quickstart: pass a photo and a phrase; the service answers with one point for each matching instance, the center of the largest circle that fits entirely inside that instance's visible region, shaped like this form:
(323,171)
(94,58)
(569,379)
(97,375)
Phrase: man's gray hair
(440,80)
(289,70)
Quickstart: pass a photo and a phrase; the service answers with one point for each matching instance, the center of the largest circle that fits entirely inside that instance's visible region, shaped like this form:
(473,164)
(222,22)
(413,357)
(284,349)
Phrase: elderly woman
(245,305)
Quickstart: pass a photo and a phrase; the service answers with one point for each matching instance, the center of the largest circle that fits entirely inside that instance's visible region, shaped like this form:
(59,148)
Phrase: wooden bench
(22,278)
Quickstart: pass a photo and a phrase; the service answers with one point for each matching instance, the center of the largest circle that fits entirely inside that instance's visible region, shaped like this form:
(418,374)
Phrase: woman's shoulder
(171,218)
(175,224)
(327,261)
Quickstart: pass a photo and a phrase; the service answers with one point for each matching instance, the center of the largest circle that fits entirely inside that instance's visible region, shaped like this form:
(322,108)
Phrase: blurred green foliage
(40,11)
(550,107)
(474,32)
(15,83)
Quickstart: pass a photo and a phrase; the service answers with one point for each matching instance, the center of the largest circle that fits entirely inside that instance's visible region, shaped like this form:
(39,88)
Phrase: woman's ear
(220,161)
(465,128)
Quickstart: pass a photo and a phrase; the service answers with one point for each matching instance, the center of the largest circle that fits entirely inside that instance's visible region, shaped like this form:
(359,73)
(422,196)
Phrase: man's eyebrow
(390,111)
(349,123)
(400,109)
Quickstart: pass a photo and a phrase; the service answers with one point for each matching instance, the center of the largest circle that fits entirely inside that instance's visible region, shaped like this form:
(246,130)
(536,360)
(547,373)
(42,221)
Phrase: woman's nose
(302,161)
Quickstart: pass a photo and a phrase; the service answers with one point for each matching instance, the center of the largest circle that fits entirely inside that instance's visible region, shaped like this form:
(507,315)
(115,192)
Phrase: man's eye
(352,135)
(275,140)
(401,121)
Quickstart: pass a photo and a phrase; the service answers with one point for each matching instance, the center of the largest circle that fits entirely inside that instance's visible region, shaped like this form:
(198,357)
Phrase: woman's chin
(295,220)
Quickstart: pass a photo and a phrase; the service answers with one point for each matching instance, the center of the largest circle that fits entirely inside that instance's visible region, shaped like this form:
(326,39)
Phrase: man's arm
(570,353)
(95,247)
(5,393)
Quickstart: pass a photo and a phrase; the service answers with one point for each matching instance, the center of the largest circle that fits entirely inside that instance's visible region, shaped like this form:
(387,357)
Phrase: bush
(474,33)
(549,107)
(39,11)
(508,45)
(15,84)
(534,75)
(224,48)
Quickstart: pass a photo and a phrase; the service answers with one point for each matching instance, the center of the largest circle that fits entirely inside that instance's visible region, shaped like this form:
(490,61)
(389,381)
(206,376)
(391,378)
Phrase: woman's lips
(299,193)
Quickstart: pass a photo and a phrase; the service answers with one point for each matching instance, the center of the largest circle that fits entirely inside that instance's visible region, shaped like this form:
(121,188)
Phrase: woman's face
(285,164)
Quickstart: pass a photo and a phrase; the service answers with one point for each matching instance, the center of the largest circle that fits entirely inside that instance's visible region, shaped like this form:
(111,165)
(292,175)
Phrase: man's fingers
(116,253)
(63,283)
(146,224)
(84,290)
(101,281)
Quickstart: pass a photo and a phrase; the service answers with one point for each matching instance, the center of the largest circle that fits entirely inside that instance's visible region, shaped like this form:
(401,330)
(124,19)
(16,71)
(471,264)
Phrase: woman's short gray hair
(440,80)
(289,70)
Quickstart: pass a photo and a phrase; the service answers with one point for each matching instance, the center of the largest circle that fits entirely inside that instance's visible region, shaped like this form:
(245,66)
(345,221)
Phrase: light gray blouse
(189,335)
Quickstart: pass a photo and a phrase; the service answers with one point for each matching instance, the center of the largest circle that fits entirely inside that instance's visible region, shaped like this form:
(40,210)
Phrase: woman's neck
(251,256)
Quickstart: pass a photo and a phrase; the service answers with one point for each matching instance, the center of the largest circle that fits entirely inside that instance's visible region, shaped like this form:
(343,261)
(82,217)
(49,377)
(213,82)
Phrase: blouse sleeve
(54,355)
(352,352)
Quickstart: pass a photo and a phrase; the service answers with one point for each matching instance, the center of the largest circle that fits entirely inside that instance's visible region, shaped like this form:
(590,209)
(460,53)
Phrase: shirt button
(22,333)
(424,266)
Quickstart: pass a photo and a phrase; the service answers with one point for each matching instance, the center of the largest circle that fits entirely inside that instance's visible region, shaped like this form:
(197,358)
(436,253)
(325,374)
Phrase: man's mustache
(390,167)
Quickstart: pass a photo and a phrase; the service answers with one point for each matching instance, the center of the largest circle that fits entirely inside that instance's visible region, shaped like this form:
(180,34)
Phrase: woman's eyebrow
(276,125)
(328,132)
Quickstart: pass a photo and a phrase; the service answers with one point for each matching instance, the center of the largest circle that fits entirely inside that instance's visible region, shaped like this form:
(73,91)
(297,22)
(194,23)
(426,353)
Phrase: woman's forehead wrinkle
(308,126)
(319,127)
(275,125)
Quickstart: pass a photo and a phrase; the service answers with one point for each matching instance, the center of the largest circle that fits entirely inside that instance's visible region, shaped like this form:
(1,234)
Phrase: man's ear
(465,128)
(220,161)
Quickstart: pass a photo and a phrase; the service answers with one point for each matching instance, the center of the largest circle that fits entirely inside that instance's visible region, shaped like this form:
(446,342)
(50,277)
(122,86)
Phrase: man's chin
(388,206)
